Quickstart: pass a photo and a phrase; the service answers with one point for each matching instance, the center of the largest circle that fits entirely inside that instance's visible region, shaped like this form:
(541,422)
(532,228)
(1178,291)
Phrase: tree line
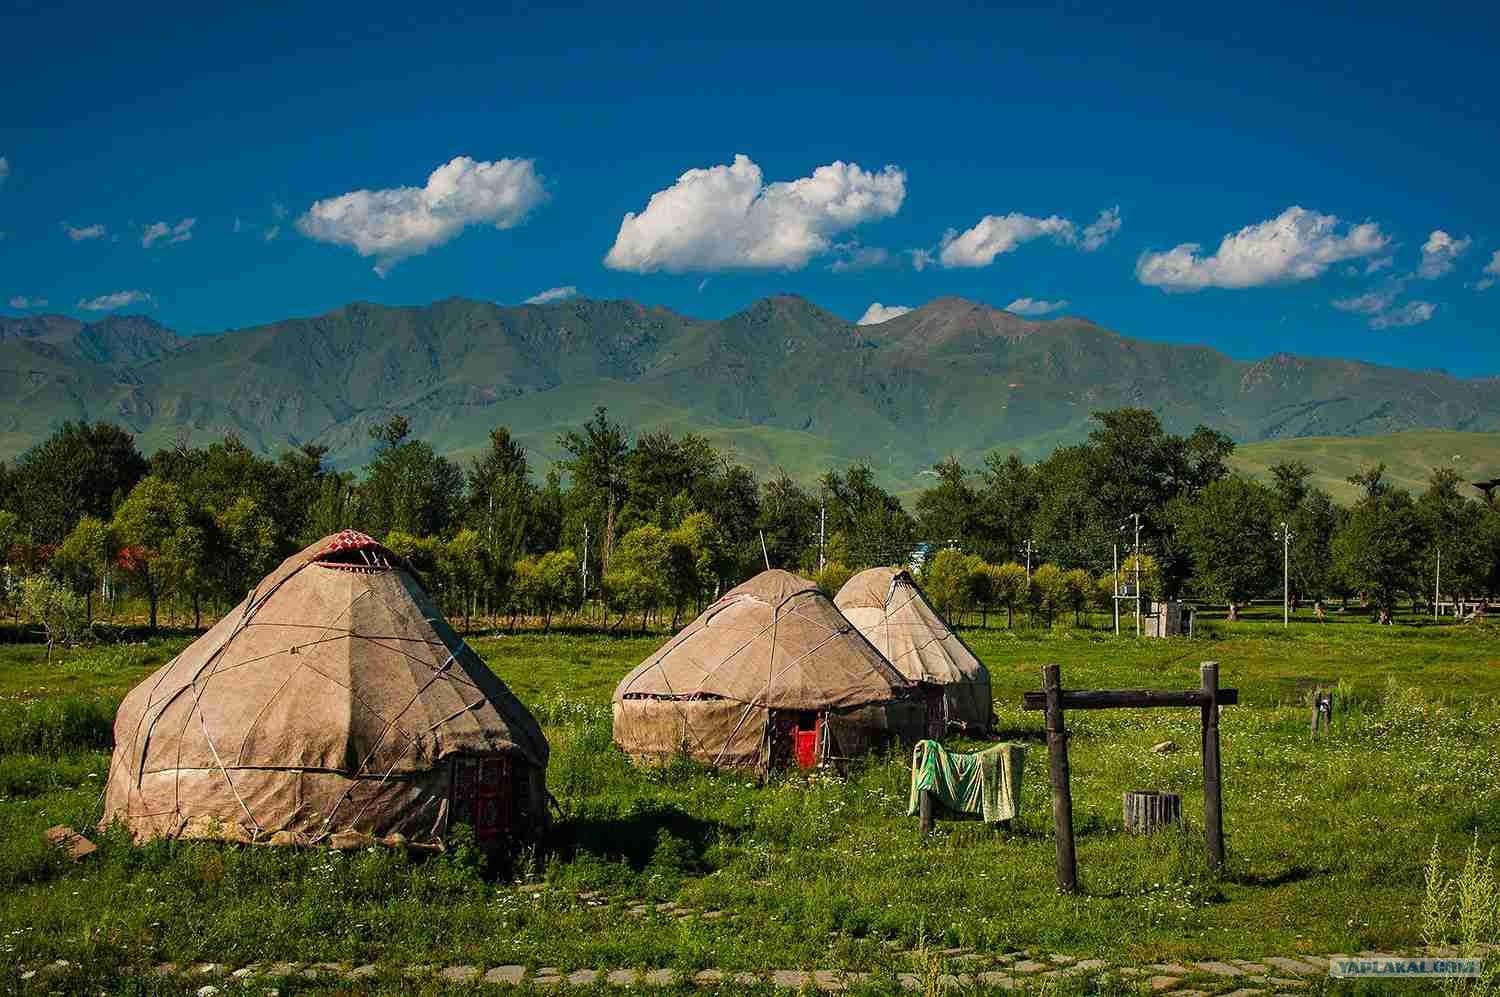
(657,524)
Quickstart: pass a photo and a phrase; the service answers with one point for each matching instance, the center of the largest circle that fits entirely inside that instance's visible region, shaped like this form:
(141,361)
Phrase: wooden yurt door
(937,711)
(481,794)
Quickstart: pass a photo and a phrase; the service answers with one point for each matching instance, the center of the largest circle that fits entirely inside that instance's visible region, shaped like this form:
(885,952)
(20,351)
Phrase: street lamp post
(1137,517)
(1286,576)
(1116,579)
(1437,584)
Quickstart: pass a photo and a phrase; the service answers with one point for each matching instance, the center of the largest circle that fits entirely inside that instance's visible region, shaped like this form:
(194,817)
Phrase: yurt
(334,705)
(771,675)
(893,614)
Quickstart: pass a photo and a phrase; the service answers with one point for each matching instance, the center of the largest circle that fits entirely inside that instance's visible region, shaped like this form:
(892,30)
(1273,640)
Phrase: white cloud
(271,233)
(1296,245)
(119,299)
(878,313)
(1439,253)
(1369,303)
(997,234)
(4,168)
(729,218)
(552,294)
(856,257)
(21,301)
(86,232)
(395,224)
(278,210)
(1378,264)
(921,259)
(1035,306)
(1492,271)
(168,234)
(1411,313)
(1101,230)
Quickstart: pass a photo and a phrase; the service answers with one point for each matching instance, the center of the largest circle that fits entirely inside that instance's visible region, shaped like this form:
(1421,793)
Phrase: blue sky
(246,166)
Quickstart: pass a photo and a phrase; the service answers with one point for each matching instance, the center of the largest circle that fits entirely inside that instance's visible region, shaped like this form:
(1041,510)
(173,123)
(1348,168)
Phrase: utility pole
(1437,584)
(1137,517)
(822,529)
(1116,579)
(1286,576)
(584,567)
(1030,546)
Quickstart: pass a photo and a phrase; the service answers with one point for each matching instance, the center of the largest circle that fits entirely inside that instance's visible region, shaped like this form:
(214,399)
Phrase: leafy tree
(1379,548)
(1313,523)
(464,563)
(408,488)
(945,579)
(833,577)
(81,470)
(1049,590)
(947,511)
(1009,587)
(596,463)
(979,587)
(878,527)
(423,555)
(1289,480)
(53,607)
(1006,504)
(1078,588)
(697,561)
(788,520)
(247,546)
(157,541)
(501,506)
(1227,530)
(85,558)
(637,577)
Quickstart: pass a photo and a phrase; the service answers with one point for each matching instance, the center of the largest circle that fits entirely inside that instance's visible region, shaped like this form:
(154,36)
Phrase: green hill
(782,383)
(1409,457)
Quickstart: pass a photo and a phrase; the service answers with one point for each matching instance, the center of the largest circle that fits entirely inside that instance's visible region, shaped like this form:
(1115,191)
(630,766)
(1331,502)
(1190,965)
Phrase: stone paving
(946,969)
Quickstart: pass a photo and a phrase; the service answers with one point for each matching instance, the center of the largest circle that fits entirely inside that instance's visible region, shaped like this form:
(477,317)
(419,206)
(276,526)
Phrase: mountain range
(783,383)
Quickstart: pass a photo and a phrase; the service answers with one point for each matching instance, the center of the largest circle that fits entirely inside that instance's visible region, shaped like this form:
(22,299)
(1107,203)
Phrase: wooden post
(1317,710)
(1213,808)
(1062,793)
(925,809)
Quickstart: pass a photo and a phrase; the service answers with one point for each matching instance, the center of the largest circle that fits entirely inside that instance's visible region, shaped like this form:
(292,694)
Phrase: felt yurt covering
(890,610)
(335,704)
(769,660)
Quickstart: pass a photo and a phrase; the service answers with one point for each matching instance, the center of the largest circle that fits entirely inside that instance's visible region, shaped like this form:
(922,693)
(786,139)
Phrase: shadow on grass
(635,838)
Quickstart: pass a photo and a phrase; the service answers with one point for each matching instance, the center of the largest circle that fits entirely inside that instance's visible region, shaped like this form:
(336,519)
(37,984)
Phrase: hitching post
(925,809)
(1062,793)
(1213,809)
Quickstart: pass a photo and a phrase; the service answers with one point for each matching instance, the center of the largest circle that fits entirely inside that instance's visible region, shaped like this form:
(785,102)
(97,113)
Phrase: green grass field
(1327,840)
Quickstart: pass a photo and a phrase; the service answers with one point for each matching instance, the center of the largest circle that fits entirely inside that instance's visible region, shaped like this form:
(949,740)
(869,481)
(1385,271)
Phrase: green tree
(947,510)
(1227,531)
(408,487)
(833,576)
(85,558)
(1006,505)
(788,521)
(54,608)
(158,543)
(83,469)
(596,463)
(945,579)
(1049,590)
(1079,588)
(981,588)
(1009,585)
(1378,550)
(464,563)
(637,578)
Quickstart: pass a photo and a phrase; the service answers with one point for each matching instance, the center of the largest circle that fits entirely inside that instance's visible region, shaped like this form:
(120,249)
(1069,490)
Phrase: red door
(805,743)
(481,795)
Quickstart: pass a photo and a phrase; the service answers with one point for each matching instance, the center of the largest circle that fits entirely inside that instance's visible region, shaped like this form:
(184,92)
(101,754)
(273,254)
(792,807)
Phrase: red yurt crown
(354,551)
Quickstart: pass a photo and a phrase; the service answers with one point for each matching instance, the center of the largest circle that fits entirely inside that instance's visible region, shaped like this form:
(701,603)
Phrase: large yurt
(770,676)
(890,610)
(334,705)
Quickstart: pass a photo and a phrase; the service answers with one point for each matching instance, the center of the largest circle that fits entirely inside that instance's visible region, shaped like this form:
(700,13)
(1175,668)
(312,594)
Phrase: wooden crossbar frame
(1055,701)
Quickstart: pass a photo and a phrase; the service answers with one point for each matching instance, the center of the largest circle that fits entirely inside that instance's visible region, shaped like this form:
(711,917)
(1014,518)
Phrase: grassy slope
(819,870)
(1409,457)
